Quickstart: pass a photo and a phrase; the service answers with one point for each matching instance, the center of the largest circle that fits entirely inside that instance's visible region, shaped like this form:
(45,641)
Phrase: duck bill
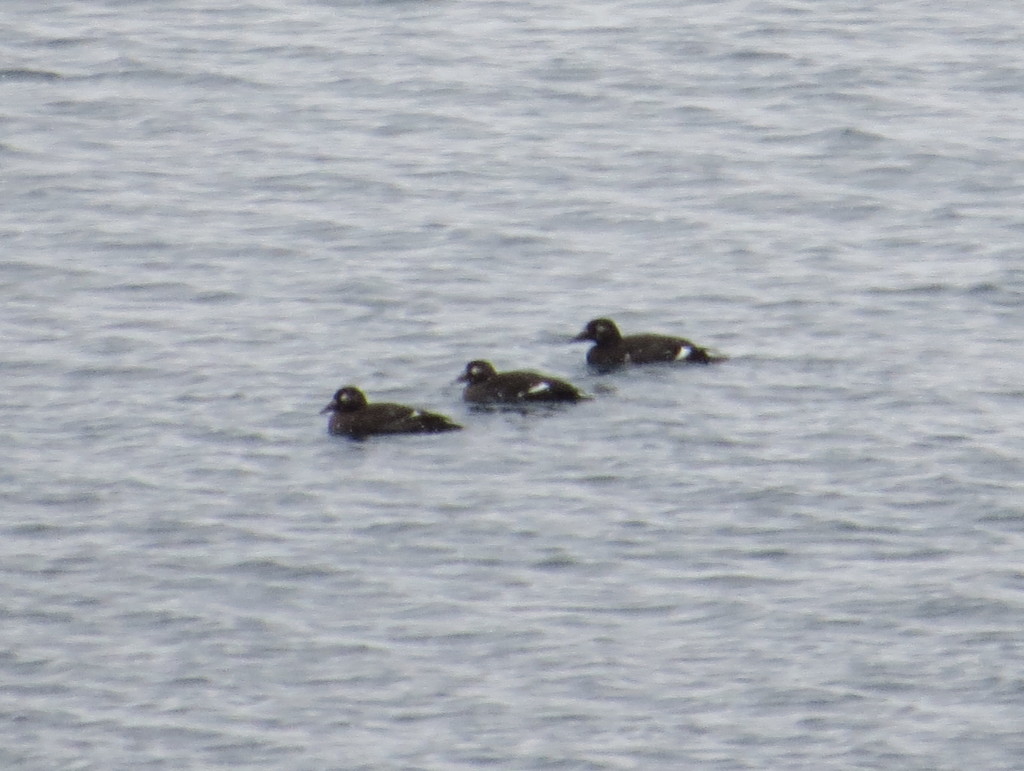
(329,408)
(581,337)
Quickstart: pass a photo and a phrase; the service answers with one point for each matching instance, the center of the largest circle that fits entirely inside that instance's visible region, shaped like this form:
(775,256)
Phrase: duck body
(485,385)
(353,416)
(613,349)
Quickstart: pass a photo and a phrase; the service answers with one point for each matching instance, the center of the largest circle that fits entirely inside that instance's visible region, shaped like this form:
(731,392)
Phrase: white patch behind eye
(539,388)
(684,352)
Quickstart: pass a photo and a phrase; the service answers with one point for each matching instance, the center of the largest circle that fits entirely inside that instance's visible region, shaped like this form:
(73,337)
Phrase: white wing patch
(539,388)
(415,414)
(684,353)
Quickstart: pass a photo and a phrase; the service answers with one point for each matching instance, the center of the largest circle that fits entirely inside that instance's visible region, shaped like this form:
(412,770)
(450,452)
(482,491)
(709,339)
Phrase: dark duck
(613,349)
(353,416)
(485,385)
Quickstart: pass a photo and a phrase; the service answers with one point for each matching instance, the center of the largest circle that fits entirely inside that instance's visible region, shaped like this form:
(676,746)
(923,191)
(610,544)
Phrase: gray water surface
(807,557)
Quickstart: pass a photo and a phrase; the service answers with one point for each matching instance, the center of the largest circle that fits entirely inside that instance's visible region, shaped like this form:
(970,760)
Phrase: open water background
(216,214)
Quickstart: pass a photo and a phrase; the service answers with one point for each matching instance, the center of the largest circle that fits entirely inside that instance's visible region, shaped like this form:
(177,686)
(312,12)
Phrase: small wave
(29,75)
(914,289)
(759,55)
(137,71)
(846,137)
(556,562)
(980,289)
(35,530)
(272,569)
(983,288)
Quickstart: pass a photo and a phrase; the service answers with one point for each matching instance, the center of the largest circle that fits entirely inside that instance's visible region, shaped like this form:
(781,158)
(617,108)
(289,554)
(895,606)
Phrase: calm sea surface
(214,215)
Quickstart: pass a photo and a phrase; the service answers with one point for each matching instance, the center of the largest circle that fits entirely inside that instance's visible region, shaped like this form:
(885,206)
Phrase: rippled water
(808,557)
